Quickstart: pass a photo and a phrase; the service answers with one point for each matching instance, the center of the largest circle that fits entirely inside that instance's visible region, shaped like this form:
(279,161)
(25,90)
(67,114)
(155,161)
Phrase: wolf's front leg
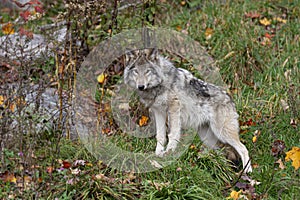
(160,123)
(174,124)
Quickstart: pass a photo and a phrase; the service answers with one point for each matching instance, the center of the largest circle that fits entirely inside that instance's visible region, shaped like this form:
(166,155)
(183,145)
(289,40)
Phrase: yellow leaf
(101,78)
(8,29)
(208,33)
(279,19)
(143,121)
(294,155)
(234,195)
(265,21)
(254,139)
(1,100)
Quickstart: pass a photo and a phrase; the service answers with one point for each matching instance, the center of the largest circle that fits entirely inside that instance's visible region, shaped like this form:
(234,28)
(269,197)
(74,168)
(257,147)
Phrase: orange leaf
(49,170)
(8,177)
(294,155)
(208,33)
(8,29)
(252,15)
(1,100)
(143,121)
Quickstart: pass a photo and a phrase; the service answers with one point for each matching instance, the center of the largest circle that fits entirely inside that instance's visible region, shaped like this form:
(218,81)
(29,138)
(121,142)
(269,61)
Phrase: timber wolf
(179,100)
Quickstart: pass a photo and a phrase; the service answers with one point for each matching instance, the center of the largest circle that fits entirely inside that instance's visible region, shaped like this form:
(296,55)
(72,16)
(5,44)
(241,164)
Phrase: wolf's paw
(171,148)
(160,151)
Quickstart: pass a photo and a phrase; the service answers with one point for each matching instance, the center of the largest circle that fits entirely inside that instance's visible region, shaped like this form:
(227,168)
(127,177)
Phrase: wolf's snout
(141,87)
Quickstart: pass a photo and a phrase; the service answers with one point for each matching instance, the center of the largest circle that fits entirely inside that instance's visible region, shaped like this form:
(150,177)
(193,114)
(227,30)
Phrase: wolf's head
(143,69)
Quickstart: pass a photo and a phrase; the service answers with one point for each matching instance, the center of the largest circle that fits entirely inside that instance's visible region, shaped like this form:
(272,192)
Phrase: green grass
(259,77)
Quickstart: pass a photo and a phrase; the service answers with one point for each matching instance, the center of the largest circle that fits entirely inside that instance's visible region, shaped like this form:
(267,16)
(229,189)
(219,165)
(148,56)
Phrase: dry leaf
(269,36)
(281,165)
(208,33)
(234,195)
(265,21)
(143,121)
(8,177)
(266,41)
(1,100)
(293,122)
(252,15)
(101,78)
(183,3)
(294,155)
(279,19)
(278,147)
(284,104)
(8,29)
(254,139)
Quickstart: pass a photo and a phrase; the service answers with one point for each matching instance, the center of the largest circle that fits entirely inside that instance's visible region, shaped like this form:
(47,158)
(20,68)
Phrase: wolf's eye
(134,71)
(148,72)
(132,67)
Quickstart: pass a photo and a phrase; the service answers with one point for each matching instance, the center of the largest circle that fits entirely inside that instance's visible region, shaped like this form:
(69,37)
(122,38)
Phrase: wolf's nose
(141,87)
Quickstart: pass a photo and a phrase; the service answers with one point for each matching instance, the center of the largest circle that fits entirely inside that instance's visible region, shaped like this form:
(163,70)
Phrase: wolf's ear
(151,54)
(129,55)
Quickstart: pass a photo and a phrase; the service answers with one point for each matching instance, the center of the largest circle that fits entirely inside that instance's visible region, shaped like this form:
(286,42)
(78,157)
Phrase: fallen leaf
(279,19)
(234,195)
(79,163)
(178,28)
(294,155)
(250,122)
(281,165)
(101,78)
(252,15)
(26,33)
(8,29)
(25,15)
(256,134)
(254,139)
(1,100)
(75,171)
(66,164)
(179,169)
(284,104)
(8,177)
(293,123)
(208,33)
(38,9)
(265,21)
(49,170)
(266,41)
(143,121)
(278,147)
(269,36)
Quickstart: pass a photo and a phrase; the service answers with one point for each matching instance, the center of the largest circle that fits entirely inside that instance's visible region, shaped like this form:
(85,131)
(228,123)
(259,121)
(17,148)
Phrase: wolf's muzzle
(141,87)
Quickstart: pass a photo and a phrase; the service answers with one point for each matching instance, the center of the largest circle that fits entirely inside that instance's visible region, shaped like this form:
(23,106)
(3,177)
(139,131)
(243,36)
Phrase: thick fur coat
(179,100)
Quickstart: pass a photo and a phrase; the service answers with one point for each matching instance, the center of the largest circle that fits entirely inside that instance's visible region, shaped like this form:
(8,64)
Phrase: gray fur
(178,98)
